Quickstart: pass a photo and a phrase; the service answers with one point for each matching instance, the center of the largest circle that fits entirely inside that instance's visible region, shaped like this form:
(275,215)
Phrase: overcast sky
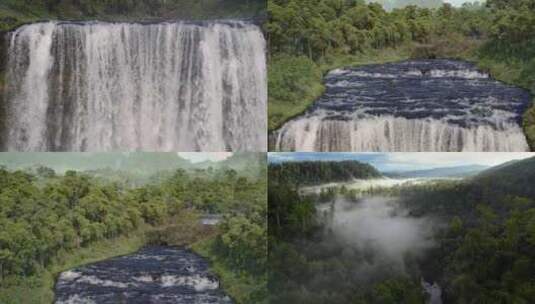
(459,2)
(197,157)
(407,161)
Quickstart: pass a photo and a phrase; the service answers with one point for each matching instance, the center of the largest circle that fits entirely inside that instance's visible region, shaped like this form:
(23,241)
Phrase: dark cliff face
(3,59)
(3,50)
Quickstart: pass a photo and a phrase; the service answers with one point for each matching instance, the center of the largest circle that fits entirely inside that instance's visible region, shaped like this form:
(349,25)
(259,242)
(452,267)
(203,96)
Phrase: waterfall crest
(182,86)
(391,134)
(420,105)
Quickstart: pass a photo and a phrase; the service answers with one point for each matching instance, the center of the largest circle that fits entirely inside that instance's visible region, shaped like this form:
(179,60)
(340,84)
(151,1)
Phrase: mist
(361,243)
(379,225)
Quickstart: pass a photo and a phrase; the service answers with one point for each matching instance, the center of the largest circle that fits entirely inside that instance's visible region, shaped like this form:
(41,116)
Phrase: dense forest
(314,173)
(482,246)
(47,218)
(308,38)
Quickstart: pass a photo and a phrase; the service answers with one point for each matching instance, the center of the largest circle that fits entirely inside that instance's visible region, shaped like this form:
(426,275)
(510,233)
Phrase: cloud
(445,159)
(197,157)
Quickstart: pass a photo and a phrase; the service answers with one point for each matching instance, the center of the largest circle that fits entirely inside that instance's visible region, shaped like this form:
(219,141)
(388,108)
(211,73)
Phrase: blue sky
(406,161)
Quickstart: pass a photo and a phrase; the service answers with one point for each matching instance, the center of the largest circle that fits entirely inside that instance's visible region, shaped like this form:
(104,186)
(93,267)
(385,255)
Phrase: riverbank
(513,73)
(240,286)
(295,82)
(39,288)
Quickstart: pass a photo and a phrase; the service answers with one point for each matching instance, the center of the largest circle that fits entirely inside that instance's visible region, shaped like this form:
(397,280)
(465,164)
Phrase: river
(154,274)
(414,105)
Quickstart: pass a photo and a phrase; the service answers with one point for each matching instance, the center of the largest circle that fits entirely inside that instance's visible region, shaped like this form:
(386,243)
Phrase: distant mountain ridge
(457,171)
(138,163)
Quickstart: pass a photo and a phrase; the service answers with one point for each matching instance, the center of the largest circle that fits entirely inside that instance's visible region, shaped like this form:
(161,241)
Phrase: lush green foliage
(318,172)
(487,252)
(294,81)
(46,217)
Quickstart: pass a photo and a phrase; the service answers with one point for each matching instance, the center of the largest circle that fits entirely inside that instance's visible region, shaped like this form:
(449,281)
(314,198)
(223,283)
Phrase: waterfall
(423,105)
(182,86)
(433,291)
(388,133)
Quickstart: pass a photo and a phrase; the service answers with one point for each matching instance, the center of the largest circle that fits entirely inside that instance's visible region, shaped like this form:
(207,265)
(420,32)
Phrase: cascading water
(151,275)
(419,105)
(182,86)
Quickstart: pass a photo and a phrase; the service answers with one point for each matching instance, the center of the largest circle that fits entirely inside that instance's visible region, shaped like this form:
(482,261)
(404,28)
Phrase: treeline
(16,11)
(289,214)
(511,32)
(318,172)
(319,28)
(45,216)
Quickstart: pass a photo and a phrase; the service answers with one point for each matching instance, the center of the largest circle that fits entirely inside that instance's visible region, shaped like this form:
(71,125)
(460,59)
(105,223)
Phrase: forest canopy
(315,172)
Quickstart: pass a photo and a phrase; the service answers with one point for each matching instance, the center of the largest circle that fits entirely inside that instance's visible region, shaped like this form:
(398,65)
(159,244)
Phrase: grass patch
(294,83)
(39,288)
(243,288)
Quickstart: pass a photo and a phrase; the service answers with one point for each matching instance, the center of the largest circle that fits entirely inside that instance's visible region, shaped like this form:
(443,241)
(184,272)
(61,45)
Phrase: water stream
(152,275)
(416,105)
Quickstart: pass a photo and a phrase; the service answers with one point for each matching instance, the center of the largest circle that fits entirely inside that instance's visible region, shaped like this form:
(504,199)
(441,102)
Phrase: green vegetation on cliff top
(16,12)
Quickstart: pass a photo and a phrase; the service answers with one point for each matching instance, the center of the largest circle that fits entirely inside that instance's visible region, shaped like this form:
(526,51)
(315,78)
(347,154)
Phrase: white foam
(144,279)
(93,280)
(466,73)
(76,299)
(199,283)
(118,86)
(69,275)
(396,134)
